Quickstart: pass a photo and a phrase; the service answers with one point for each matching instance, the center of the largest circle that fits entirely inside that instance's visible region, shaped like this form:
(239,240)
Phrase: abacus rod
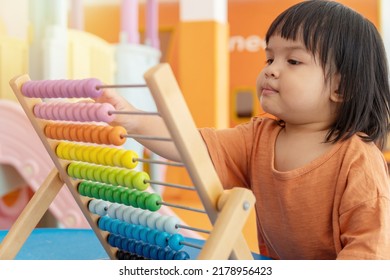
(193,229)
(191,245)
(171,163)
(121,86)
(153,182)
(181,207)
(139,136)
(133,113)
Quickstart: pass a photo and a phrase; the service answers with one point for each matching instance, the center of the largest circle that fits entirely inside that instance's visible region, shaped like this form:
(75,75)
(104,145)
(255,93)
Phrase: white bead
(119,211)
(143,217)
(91,205)
(127,214)
(135,216)
(101,208)
(152,220)
(160,223)
(112,210)
(170,224)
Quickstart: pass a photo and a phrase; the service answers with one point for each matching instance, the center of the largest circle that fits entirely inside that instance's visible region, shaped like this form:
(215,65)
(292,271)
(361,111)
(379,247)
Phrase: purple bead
(102,114)
(90,88)
(26,89)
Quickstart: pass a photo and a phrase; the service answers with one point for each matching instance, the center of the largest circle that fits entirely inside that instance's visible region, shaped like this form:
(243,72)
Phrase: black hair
(350,45)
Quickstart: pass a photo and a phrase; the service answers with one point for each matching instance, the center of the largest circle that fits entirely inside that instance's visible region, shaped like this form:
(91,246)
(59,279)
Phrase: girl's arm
(149,125)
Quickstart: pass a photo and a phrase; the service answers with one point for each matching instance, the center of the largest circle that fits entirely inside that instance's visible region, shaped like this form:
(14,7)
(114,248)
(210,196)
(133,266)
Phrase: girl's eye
(293,62)
(269,61)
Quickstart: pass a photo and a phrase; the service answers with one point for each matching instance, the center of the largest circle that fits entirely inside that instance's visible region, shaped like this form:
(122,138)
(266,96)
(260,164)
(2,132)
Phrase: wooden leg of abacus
(226,238)
(30,216)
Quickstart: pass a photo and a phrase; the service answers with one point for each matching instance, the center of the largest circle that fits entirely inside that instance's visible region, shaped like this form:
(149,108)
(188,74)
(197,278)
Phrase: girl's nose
(271,71)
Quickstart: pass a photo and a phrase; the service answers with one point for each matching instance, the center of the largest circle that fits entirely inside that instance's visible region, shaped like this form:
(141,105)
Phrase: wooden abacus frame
(227,210)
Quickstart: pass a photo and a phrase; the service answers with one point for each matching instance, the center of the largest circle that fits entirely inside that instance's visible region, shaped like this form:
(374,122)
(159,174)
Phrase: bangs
(314,23)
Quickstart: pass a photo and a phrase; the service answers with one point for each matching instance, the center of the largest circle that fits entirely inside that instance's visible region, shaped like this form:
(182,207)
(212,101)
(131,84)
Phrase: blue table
(72,244)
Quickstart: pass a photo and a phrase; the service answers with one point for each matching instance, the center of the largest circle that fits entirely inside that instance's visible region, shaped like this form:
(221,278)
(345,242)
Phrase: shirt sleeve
(230,150)
(365,212)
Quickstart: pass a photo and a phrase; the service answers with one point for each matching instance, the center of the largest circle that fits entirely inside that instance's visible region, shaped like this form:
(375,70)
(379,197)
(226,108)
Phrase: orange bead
(47,130)
(116,136)
(88,133)
(60,131)
(65,132)
(73,133)
(95,134)
(103,135)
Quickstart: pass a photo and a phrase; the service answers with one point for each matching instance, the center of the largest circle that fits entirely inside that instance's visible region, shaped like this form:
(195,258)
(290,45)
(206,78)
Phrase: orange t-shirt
(336,207)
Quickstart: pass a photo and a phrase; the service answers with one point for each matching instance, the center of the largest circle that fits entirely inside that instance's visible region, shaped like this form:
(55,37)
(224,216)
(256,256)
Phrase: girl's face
(292,85)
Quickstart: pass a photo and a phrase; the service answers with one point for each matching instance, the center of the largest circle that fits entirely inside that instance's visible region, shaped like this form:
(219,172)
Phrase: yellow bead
(109,158)
(93,155)
(118,156)
(127,160)
(101,155)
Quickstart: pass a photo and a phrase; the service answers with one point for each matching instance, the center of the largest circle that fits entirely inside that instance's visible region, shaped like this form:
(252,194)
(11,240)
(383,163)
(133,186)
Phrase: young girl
(320,180)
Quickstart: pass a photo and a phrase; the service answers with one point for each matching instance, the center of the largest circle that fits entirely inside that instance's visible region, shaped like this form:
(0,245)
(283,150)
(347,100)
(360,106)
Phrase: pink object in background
(129,21)
(21,148)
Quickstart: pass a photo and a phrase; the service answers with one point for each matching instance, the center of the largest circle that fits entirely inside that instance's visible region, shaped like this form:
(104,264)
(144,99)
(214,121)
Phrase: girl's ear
(335,95)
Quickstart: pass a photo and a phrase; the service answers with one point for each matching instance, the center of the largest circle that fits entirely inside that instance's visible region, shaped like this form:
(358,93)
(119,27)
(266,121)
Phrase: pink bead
(69,112)
(36,110)
(64,90)
(90,87)
(78,111)
(36,89)
(26,89)
(49,111)
(62,111)
(87,112)
(56,107)
(102,113)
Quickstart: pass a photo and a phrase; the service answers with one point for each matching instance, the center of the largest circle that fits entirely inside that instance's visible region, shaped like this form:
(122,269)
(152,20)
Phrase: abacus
(113,196)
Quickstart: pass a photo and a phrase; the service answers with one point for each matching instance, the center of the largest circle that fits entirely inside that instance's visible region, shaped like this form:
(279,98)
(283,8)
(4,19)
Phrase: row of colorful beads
(122,195)
(97,154)
(110,175)
(136,216)
(82,88)
(149,251)
(74,111)
(142,233)
(99,134)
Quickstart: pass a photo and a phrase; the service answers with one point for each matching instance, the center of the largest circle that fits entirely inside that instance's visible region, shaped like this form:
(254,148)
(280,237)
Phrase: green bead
(102,191)
(81,187)
(125,197)
(120,177)
(76,170)
(118,194)
(95,187)
(112,176)
(104,175)
(70,170)
(97,173)
(128,178)
(133,198)
(141,200)
(152,202)
(140,181)
(109,194)
(90,173)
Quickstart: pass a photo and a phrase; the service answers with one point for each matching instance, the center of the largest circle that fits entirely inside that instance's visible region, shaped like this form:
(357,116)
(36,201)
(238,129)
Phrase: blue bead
(154,252)
(170,254)
(162,239)
(146,251)
(143,233)
(162,253)
(139,248)
(131,246)
(151,237)
(181,255)
(175,241)
(136,232)
(129,230)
